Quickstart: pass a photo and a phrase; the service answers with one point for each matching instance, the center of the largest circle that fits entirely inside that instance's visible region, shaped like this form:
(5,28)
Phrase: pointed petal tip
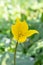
(36,31)
(32,32)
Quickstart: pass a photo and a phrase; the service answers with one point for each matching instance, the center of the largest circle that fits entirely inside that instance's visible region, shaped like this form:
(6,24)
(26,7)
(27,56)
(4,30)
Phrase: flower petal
(31,32)
(24,27)
(14,30)
(22,39)
(18,20)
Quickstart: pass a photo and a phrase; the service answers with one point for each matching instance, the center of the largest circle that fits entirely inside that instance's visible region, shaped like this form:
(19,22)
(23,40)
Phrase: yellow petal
(31,32)
(22,39)
(18,25)
(17,20)
(15,37)
(24,27)
(14,30)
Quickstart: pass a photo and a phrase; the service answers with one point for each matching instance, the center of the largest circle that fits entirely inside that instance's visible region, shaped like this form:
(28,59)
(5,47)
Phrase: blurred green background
(31,52)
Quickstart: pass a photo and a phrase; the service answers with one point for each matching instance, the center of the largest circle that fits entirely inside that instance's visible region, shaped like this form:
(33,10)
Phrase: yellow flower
(21,31)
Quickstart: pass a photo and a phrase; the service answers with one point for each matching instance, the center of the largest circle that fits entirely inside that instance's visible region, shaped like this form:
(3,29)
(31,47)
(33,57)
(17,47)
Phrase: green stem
(15,53)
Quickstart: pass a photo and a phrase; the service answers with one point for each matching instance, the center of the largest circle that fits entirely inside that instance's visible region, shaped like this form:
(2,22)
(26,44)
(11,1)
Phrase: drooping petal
(31,32)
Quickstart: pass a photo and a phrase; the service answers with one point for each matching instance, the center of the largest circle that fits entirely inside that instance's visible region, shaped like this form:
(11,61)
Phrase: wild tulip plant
(20,33)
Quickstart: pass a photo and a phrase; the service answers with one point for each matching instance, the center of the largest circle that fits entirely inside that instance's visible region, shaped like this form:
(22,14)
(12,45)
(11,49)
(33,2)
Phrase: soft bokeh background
(31,52)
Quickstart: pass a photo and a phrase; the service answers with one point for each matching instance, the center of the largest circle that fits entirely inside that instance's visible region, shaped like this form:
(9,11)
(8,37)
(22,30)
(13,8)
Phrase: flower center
(20,35)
